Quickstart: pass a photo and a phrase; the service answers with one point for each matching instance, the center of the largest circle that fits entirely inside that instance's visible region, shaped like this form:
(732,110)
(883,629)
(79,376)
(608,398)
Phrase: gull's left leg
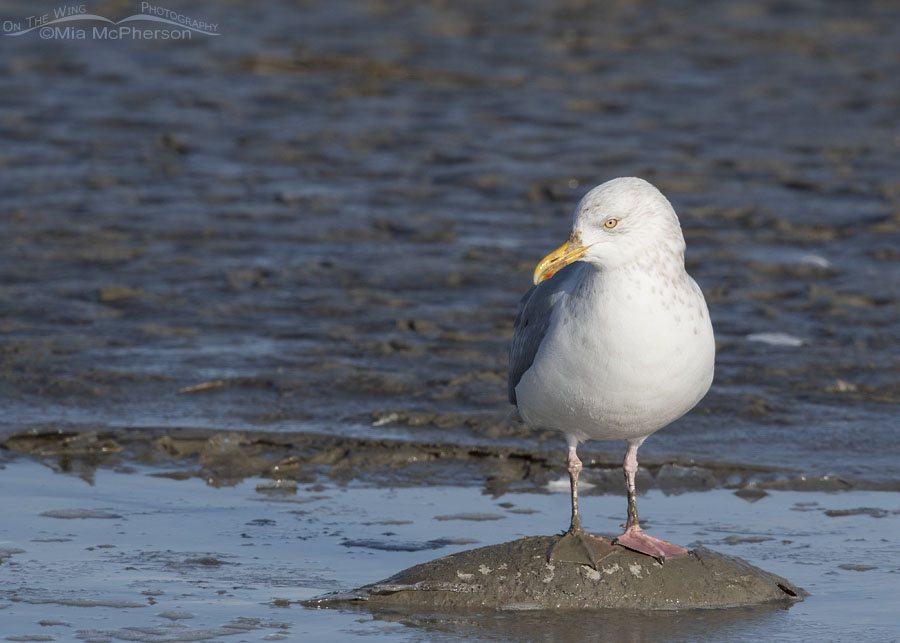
(634,537)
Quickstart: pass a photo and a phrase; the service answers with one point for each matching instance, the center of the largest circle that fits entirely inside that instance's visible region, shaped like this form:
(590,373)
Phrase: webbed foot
(580,547)
(635,539)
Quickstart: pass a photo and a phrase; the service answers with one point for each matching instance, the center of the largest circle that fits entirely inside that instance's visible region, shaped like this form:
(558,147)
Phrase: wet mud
(518,576)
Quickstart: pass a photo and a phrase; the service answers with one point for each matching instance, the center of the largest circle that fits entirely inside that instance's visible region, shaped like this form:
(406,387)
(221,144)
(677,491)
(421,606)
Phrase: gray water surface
(139,557)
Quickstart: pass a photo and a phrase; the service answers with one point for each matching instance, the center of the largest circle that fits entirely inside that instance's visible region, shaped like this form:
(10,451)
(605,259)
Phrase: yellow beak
(557,260)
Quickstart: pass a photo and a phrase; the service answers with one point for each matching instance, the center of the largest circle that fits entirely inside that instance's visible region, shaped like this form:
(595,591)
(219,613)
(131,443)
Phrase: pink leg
(634,537)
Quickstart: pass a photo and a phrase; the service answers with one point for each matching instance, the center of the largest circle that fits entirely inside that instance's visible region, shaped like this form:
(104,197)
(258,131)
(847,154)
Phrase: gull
(612,342)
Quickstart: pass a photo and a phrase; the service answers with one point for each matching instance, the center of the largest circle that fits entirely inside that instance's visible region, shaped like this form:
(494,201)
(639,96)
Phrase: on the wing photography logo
(71,22)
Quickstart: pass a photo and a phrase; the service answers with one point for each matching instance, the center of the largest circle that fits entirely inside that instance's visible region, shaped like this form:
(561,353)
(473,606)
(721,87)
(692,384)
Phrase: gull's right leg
(575,467)
(578,546)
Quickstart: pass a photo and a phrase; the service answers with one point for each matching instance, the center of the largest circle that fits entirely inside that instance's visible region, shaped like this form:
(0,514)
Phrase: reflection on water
(582,625)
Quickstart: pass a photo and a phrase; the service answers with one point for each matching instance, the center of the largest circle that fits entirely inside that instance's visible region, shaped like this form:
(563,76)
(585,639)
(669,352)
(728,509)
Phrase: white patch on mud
(612,570)
(635,569)
(551,574)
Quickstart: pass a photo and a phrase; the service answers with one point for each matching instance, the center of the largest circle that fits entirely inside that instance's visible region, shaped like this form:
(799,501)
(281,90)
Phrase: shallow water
(320,223)
(139,557)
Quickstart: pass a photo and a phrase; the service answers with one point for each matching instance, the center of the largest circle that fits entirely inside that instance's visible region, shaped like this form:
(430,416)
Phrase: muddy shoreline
(227,458)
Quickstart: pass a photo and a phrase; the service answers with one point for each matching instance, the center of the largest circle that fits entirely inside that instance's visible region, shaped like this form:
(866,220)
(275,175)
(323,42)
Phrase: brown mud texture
(518,576)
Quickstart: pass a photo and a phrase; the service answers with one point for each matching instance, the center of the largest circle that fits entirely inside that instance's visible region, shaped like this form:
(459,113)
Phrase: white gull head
(624,220)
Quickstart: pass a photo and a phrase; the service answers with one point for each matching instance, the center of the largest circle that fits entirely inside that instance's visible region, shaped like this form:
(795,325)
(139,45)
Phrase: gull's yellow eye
(609,224)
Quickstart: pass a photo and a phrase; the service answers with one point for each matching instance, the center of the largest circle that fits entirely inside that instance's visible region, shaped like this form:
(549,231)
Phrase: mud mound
(516,575)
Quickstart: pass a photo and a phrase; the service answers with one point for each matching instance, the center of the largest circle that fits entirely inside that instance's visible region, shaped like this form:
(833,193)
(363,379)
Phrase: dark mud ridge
(225,458)
(517,576)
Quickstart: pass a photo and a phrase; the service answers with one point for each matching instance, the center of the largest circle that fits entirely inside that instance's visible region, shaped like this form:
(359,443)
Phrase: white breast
(626,353)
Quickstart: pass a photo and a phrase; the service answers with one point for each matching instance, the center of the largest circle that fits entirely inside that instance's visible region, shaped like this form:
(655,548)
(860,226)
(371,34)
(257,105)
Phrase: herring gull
(612,342)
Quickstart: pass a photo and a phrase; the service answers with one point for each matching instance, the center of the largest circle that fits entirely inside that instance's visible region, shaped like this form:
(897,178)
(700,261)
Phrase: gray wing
(532,321)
